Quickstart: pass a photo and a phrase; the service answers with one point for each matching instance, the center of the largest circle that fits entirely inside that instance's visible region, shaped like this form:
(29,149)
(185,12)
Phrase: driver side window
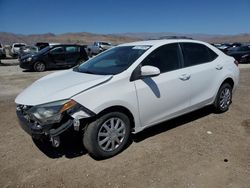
(57,50)
(166,58)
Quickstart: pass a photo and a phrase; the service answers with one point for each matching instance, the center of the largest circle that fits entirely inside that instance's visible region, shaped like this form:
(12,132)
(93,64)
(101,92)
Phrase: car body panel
(58,86)
(161,96)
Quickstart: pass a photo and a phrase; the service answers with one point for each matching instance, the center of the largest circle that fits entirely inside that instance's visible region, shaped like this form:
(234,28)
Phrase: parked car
(55,56)
(24,50)
(2,52)
(98,47)
(127,89)
(241,53)
(15,49)
(224,47)
(245,58)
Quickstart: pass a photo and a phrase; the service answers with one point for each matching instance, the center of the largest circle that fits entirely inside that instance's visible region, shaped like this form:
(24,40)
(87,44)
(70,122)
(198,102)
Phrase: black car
(55,56)
(240,53)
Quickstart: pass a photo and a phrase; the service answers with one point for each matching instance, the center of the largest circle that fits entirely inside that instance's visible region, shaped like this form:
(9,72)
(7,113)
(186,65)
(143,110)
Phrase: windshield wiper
(87,71)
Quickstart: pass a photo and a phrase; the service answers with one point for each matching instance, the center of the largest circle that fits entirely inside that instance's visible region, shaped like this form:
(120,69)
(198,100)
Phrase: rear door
(166,95)
(56,56)
(204,69)
(72,54)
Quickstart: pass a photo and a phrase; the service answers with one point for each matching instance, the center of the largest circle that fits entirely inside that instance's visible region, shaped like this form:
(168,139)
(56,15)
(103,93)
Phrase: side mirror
(149,71)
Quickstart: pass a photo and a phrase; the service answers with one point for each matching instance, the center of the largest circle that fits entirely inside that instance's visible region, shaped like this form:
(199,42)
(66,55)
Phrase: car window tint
(113,61)
(166,58)
(72,49)
(57,50)
(195,54)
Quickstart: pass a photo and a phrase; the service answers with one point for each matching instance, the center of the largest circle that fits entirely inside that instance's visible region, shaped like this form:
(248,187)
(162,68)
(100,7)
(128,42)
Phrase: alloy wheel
(40,67)
(225,98)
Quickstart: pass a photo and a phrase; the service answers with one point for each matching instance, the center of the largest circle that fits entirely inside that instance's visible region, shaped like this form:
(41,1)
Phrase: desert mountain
(88,38)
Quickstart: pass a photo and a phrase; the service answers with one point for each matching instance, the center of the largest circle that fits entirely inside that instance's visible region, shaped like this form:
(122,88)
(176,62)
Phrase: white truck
(98,47)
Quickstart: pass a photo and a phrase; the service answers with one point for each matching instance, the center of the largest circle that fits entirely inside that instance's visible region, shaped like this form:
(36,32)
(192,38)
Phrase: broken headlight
(50,113)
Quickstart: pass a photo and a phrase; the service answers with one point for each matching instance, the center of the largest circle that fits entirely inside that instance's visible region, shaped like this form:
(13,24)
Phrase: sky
(122,16)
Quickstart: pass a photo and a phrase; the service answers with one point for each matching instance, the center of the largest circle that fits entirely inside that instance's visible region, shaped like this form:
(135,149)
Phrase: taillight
(236,63)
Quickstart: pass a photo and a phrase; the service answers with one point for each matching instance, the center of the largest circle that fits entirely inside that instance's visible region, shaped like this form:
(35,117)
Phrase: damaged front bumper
(70,119)
(36,130)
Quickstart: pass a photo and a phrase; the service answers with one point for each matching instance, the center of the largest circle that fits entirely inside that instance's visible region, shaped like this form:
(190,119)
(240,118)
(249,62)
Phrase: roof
(159,42)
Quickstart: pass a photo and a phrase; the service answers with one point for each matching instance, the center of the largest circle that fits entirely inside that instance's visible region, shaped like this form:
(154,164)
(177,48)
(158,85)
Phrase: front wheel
(39,66)
(107,135)
(223,98)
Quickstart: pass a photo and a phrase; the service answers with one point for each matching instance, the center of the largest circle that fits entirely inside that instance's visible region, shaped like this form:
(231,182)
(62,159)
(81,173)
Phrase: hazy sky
(116,16)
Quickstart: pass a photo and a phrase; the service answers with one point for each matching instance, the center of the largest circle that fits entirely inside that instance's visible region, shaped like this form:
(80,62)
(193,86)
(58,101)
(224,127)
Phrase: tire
(223,98)
(107,135)
(39,66)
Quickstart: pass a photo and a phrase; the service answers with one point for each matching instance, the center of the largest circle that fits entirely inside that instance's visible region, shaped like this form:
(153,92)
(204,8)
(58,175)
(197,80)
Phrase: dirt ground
(200,149)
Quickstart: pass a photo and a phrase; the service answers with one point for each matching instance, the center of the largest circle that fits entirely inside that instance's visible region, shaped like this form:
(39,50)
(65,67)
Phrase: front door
(167,95)
(57,56)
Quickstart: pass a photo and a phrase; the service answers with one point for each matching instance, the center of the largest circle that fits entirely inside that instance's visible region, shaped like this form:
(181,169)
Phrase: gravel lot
(200,149)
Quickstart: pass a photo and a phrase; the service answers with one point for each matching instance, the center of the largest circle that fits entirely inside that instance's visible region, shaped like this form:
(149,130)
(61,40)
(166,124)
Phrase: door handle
(219,67)
(184,77)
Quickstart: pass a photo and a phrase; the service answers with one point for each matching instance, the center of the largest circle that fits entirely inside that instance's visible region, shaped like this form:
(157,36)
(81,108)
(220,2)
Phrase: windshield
(44,50)
(19,45)
(113,61)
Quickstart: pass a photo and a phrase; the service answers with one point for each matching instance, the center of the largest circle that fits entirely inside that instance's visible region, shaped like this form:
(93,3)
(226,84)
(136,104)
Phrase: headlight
(29,59)
(51,112)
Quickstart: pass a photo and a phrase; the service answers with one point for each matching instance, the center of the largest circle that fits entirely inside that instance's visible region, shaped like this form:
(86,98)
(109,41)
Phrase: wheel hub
(111,134)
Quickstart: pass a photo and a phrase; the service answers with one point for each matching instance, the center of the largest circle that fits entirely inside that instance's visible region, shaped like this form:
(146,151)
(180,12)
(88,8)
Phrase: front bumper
(38,131)
(25,64)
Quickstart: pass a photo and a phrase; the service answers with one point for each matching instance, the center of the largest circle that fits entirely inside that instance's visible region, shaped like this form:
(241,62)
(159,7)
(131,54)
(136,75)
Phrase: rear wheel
(39,66)
(107,135)
(223,98)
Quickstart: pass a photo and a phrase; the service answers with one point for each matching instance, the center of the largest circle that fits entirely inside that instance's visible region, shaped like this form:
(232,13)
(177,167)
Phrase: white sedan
(127,89)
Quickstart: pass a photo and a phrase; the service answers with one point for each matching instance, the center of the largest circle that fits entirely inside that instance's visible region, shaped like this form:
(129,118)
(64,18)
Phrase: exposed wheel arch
(229,81)
(119,109)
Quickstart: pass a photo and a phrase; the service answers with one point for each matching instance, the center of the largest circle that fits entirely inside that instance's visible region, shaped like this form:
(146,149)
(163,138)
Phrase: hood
(58,86)
(26,55)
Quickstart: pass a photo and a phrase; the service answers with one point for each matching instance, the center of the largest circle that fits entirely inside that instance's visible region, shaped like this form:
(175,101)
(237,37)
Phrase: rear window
(19,45)
(195,54)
